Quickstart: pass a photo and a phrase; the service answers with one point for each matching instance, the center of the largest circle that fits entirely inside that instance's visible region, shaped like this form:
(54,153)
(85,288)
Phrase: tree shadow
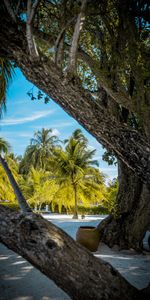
(19,280)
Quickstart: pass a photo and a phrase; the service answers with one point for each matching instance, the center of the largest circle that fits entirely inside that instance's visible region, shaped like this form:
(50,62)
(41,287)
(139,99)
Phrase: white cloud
(55,125)
(64,124)
(35,116)
(90,147)
(55,132)
(25,134)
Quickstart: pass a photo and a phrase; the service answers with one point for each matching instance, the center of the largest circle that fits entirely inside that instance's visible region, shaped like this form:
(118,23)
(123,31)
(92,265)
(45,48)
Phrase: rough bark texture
(128,228)
(55,254)
(75,215)
(21,200)
(128,144)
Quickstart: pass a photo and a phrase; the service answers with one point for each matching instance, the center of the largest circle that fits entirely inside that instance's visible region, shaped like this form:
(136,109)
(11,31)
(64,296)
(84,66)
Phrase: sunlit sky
(23,117)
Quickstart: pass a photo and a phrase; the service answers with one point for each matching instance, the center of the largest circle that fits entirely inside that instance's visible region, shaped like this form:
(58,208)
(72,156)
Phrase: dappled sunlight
(19,278)
(21,281)
(18,263)
(134,267)
(3,257)
(112,256)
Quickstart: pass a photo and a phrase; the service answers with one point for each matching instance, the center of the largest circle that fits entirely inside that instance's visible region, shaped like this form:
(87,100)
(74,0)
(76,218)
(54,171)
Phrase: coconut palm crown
(75,172)
(40,149)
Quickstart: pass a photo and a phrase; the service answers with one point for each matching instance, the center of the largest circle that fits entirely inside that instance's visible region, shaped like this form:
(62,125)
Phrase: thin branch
(31,10)
(75,39)
(17,7)
(10,10)
(59,42)
(119,97)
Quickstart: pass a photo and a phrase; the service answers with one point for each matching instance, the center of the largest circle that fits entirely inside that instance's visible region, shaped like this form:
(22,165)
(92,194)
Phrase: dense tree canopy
(91,55)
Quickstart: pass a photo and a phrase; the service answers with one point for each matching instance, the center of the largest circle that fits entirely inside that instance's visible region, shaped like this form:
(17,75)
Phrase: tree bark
(31,10)
(21,200)
(75,215)
(127,228)
(54,253)
(74,45)
(31,43)
(128,144)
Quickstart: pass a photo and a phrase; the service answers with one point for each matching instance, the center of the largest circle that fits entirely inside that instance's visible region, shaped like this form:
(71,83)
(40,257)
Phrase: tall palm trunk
(75,215)
(21,200)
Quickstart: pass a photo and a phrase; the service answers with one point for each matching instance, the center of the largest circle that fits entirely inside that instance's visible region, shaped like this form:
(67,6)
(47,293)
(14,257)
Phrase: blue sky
(23,117)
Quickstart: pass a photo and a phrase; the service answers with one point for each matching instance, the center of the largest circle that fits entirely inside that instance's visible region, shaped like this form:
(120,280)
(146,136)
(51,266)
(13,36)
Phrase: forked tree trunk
(132,219)
(61,259)
(21,200)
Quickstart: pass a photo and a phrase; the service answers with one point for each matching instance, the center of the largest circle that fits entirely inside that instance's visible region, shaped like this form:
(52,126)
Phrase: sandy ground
(19,280)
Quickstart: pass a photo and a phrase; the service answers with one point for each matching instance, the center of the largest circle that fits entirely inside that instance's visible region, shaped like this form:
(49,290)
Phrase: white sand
(21,281)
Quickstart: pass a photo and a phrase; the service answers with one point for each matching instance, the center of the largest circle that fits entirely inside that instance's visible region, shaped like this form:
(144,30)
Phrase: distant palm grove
(60,174)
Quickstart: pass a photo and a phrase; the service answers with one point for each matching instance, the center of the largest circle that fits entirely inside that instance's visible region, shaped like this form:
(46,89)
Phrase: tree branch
(74,46)
(17,7)
(10,10)
(31,10)
(60,43)
(60,258)
(118,96)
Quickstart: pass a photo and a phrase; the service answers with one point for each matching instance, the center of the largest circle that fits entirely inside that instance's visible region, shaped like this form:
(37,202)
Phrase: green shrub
(11,205)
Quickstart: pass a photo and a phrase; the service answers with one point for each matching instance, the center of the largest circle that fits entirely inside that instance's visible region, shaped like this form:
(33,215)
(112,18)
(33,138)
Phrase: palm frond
(6,75)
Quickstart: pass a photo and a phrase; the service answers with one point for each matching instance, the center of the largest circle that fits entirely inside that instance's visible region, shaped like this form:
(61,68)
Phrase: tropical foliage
(78,180)
(38,152)
(6,74)
(109,201)
(64,177)
(6,190)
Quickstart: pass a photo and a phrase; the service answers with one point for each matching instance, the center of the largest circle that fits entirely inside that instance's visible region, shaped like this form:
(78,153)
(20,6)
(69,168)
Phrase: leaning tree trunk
(132,218)
(21,200)
(60,258)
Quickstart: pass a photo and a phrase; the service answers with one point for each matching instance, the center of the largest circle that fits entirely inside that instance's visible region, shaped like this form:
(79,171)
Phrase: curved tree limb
(61,259)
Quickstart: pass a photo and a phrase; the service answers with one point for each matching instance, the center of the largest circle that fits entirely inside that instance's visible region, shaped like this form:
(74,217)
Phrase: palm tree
(4,147)
(6,74)
(38,152)
(39,187)
(78,136)
(74,171)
